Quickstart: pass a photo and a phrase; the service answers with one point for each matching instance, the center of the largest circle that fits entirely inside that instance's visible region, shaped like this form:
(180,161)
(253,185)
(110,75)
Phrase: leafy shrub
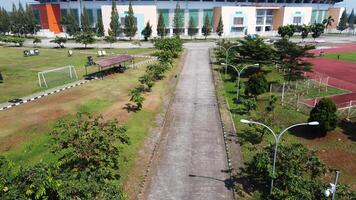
(137,98)
(60,41)
(256,84)
(12,39)
(325,113)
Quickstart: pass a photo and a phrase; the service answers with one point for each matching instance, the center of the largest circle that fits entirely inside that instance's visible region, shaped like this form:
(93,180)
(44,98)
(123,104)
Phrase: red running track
(342,74)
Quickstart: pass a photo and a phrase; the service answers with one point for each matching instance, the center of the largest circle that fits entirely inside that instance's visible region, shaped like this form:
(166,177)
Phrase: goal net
(57,76)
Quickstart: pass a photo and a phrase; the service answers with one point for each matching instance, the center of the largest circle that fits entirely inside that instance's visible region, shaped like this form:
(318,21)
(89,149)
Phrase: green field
(20,73)
(348,56)
(285,116)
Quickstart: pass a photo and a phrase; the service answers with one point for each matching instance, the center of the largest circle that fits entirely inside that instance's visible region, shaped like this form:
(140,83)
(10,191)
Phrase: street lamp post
(332,189)
(277,137)
(226,54)
(238,76)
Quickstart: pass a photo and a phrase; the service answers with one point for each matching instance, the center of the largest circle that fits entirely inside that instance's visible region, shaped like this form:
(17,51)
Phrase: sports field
(20,73)
(340,73)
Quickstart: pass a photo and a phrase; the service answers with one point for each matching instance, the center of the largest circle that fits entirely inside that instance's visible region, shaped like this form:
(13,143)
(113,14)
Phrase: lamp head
(223,63)
(327,193)
(256,64)
(245,121)
(315,123)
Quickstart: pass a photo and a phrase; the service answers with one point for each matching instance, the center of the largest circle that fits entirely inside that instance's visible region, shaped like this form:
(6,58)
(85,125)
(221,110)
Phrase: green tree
(60,41)
(292,57)
(325,113)
(254,50)
(114,30)
(137,98)
(71,23)
(287,30)
(31,24)
(298,173)
(147,81)
(36,41)
(256,85)
(110,39)
(5,21)
(85,22)
(161,27)
(192,28)
(178,20)
(206,29)
(85,38)
(147,31)
(317,30)
(100,27)
(305,31)
(343,22)
(351,20)
(220,27)
(130,23)
(328,22)
(89,151)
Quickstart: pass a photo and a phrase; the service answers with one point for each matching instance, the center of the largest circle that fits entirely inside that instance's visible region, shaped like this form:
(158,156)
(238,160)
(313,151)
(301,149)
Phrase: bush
(173,45)
(147,80)
(60,41)
(256,85)
(137,98)
(12,39)
(325,113)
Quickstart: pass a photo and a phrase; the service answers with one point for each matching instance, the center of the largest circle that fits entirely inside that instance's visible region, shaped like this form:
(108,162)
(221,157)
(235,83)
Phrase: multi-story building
(240,17)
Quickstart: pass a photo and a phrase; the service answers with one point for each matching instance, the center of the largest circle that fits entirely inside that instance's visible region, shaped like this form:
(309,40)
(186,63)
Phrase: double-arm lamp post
(238,76)
(227,54)
(277,137)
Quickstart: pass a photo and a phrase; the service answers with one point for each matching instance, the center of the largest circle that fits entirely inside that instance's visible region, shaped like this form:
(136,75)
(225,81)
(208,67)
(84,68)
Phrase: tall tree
(114,23)
(192,28)
(343,22)
(4,21)
(178,20)
(328,22)
(220,28)
(317,30)
(161,27)
(130,23)
(147,31)
(100,27)
(206,29)
(85,20)
(305,31)
(324,112)
(292,57)
(31,22)
(352,20)
(72,26)
(21,20)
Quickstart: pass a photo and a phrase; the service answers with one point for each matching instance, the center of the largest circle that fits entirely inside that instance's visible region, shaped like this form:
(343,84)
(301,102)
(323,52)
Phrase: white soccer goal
(57,76)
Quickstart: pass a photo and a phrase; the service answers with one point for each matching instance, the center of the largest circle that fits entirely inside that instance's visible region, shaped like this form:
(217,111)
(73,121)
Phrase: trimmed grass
(347,56)
(336,149)
(20,73)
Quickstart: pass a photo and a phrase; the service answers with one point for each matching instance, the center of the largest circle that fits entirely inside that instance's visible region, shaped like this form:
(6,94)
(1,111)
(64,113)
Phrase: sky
(349,4)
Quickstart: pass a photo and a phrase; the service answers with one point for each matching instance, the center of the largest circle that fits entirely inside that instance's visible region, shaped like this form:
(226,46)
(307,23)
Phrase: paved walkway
(192,157)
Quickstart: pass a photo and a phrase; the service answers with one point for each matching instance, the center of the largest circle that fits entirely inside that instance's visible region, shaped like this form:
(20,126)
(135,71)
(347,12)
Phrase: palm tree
(328,22)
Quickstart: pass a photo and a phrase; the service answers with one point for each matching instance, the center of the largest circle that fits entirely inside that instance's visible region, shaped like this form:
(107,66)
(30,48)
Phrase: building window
(297,20)
(258,28)
(259,20)
(268,28)
(238,21)
(269,20)
(237,29)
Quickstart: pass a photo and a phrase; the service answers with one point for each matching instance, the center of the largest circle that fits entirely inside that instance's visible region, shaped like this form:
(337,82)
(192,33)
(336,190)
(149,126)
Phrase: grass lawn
(336,149)
(347,56)
(24,137)
(20,73)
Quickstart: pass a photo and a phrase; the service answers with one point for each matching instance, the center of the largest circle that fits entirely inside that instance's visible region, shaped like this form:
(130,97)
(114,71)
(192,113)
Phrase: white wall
(289,12)
(249,14)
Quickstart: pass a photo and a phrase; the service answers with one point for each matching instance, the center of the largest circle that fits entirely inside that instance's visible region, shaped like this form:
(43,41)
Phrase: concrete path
(192,157)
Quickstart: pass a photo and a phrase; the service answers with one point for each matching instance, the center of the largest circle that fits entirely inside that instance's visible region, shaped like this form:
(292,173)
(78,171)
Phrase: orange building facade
(50,16)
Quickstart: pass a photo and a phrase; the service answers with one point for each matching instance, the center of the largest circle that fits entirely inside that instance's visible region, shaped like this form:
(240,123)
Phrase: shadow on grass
(307,132)
(349,129)
(130,108)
